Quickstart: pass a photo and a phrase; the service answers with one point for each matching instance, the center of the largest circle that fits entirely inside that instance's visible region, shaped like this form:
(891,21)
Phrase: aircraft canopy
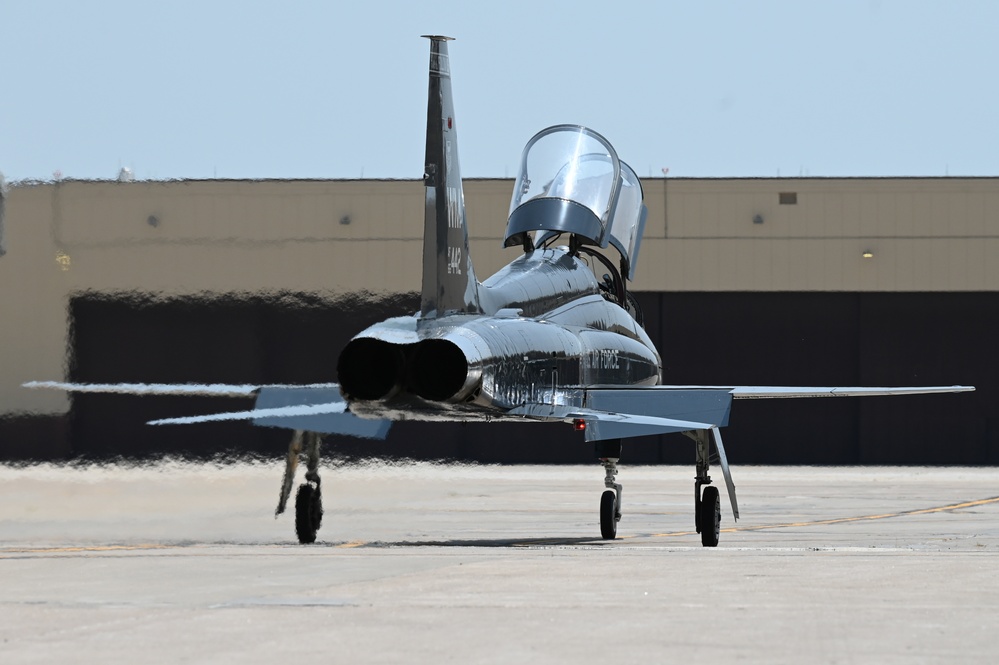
(571,181)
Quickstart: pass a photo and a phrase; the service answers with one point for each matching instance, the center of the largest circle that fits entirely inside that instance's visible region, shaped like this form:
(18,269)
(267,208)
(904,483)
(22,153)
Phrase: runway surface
(180,562)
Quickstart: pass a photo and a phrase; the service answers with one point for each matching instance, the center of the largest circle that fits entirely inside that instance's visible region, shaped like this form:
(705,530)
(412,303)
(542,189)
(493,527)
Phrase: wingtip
(44,384)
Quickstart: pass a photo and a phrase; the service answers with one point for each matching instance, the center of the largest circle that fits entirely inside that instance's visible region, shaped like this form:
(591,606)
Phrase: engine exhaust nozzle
(370,369)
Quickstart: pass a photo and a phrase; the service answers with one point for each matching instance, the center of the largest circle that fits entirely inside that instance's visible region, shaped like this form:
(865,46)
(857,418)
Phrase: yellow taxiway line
(84,548)
(843,520)
(534,542)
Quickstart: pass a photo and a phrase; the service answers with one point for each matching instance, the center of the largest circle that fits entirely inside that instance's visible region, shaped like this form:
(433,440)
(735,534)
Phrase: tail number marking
(453,209)
(454,260)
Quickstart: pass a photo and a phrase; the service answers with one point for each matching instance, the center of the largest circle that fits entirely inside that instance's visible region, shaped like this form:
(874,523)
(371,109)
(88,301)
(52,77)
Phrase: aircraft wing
(778,392)
(610,412)
(317,407)
(201,389)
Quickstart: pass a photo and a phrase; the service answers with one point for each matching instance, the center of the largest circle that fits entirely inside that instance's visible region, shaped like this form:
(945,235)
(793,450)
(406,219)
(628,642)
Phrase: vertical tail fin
(449,284)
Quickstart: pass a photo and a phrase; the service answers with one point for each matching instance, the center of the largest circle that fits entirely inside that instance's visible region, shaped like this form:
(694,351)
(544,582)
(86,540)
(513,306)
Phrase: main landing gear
(309,499)
(609,452)
(707,503)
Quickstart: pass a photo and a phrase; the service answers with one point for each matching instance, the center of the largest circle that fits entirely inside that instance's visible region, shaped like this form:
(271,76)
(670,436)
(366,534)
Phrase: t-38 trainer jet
(544,339)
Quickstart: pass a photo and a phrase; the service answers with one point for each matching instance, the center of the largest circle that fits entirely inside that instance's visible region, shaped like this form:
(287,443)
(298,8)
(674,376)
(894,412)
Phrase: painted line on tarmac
(83,548)
(843,520)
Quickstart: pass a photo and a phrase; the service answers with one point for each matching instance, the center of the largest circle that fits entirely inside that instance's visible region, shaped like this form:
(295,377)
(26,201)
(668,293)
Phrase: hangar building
(800,281)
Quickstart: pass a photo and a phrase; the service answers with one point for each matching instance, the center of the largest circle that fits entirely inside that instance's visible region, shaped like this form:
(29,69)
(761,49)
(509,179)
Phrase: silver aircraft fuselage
(546,331)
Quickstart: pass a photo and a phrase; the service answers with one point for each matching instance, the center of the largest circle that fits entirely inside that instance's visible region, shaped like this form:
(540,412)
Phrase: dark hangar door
(719,338)
(826,339)
(285,338)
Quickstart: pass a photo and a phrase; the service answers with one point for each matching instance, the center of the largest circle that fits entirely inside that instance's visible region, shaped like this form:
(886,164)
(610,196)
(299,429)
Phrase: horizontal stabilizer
(313,409)
(606,424)
(602,425)
(700,406)
(282,412)
(322,418)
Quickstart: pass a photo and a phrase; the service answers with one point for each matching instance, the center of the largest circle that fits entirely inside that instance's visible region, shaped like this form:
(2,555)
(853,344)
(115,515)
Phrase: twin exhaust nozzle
(373,369)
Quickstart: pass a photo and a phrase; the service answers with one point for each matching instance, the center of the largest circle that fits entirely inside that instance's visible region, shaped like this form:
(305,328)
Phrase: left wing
(202,389)
(316,407)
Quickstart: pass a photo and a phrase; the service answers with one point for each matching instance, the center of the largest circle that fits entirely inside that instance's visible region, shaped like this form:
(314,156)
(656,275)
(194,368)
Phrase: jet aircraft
(544,339)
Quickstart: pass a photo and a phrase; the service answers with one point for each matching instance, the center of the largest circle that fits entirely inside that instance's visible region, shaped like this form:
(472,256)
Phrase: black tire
(608,515)
(697,514)
(308,513)
(317,508)
(710,517)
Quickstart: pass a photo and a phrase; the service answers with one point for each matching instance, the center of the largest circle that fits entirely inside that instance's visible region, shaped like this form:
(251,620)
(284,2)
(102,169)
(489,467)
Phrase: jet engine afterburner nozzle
(370,368)
(437,370)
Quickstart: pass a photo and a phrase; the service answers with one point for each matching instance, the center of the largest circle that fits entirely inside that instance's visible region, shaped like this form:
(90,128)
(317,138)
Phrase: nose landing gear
(609,452)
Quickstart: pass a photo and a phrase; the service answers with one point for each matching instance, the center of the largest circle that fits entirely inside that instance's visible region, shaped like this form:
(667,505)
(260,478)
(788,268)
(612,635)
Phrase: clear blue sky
(180,89)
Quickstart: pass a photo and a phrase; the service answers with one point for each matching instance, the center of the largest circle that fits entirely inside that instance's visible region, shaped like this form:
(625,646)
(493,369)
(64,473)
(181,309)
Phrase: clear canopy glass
(571,181)
(629,219)
(569,162)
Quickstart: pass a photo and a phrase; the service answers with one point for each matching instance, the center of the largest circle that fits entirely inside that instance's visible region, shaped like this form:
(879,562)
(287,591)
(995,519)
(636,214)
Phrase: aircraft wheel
(308,513)
(709,517)
(697,514)
(608,515)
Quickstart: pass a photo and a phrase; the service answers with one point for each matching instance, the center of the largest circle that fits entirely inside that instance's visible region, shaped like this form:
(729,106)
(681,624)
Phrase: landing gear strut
(609,452)
(707,504)
(308,500)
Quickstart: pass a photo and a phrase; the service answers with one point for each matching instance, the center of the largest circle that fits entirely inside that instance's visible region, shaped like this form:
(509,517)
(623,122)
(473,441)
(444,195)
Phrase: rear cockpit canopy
(571,181)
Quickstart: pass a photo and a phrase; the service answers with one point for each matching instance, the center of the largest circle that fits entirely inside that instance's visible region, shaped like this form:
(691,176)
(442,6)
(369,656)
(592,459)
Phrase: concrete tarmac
(176,562)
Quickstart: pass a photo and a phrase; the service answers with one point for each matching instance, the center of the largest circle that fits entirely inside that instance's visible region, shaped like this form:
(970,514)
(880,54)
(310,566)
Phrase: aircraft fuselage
(546,331)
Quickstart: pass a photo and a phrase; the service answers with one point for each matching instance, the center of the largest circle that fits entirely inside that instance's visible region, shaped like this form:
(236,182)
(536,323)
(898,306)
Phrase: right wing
(788,392)
(611,412)
(785,392)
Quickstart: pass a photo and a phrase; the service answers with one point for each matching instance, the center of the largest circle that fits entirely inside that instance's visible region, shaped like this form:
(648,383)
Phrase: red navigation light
(449,123)
(579,424)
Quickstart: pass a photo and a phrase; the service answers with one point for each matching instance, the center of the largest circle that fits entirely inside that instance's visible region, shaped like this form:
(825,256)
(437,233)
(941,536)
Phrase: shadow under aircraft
(553,336)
